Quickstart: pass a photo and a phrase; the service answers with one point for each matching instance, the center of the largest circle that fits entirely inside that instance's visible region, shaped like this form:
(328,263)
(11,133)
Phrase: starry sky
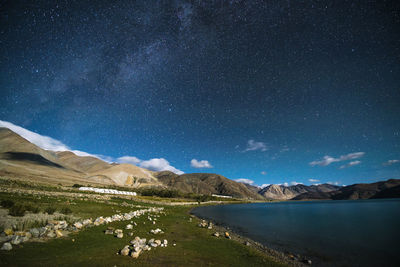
(269,91)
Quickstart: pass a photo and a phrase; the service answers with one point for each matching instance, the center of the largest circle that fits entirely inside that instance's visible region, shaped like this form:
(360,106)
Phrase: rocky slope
(21,159)
(206,183)
(281,192)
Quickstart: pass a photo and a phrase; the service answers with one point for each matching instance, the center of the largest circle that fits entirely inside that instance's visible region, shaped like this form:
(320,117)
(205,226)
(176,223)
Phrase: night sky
(271,91)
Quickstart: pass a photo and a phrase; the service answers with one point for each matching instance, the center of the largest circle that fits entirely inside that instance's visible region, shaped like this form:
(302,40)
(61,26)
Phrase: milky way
(258,89)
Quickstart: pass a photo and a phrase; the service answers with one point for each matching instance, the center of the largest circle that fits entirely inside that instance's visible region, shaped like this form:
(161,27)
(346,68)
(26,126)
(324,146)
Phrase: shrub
(161,193)
(7,203)
(17,210)
(50,210)
(33,209)
(76,186)
(66,211)
(203,198)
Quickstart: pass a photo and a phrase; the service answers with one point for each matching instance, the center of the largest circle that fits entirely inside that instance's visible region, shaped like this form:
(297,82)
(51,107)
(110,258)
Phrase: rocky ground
(57,229)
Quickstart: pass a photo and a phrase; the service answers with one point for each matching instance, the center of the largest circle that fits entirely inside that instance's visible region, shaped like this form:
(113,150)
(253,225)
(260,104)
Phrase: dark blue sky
(194,80)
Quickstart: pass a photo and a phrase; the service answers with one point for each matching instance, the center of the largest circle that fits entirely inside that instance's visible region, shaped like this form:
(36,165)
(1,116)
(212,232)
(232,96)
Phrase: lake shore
(279,256)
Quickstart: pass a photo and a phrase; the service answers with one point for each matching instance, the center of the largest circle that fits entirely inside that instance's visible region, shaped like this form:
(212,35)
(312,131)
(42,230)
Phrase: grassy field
(91,247)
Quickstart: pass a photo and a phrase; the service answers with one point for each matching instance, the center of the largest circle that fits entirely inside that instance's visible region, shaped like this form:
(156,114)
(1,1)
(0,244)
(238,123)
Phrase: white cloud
(284,184)
(390,162)
(129,159)
(284,149)
(295,183)
(156,164)
(253,146)
(264,185)
(49,143)
(264,173)
(333,183)
(350,156)
(313,180)
(159,164)
(328,159)
(244,181)
(200,164)
(351,163)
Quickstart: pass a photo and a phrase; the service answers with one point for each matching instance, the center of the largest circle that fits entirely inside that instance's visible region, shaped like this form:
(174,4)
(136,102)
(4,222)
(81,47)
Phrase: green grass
(194,246)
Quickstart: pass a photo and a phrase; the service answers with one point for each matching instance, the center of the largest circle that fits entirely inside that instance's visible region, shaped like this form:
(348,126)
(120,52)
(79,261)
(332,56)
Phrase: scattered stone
(125,251)
(16,240)
(51,234)
(216,234)
(19,233)
(129,227)
(25,238)
(227,235)
(8,231)
(42,231)
(203,224)
(247,243)
(5,238)
(6,246)
(210,225)
(28,234)
(306,261)
(78,225)
(156,231)
(59,234)
(34,232)
(87,222)
(109,231)
(135,254)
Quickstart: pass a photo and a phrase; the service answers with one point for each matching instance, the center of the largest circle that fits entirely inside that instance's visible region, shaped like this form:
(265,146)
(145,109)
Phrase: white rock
(125,251)
(16,240)
(6,246)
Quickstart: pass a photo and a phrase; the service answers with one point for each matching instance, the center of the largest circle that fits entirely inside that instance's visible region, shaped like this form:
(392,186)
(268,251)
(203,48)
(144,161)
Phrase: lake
(331,233)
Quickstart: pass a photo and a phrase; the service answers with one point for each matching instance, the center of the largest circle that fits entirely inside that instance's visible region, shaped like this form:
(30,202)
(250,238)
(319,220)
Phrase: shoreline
(278,256)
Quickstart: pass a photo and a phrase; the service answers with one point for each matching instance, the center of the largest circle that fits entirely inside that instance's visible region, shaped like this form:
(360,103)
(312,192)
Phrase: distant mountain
(281,192)
(206,183)
(393,192)
(384,189)
(366,191)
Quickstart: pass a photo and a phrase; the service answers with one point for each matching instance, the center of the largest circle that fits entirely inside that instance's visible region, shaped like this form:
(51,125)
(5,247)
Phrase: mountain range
(21,159)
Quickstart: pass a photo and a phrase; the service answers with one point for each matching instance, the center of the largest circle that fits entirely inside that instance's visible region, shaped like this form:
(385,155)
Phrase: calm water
(331,233)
